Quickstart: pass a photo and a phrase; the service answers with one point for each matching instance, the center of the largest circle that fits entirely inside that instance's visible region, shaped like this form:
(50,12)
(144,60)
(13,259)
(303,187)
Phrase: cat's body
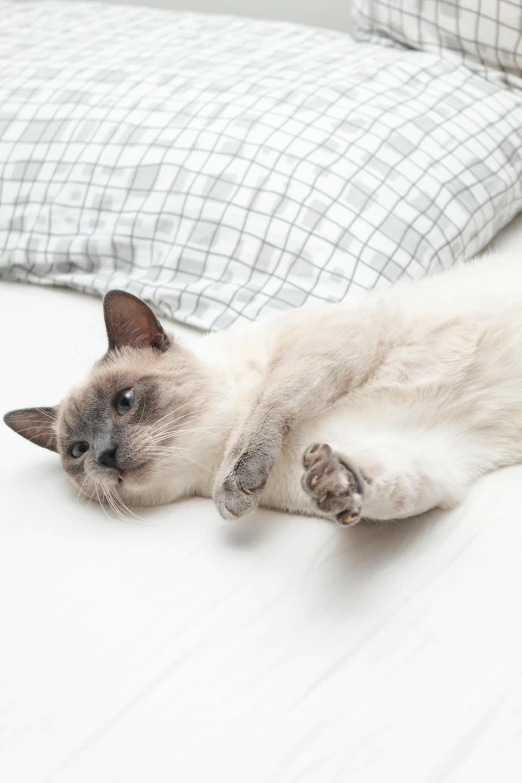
(416,392)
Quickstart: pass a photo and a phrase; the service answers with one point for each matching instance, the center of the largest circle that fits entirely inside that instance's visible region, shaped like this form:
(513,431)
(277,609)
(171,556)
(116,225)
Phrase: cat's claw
(232,501)
(333,484)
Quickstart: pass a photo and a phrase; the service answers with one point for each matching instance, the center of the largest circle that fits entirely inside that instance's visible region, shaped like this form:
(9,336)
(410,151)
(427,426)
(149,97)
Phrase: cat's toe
(334,485)
(315,453)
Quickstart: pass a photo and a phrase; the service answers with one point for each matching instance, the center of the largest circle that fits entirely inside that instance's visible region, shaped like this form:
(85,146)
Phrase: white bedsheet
(274,650)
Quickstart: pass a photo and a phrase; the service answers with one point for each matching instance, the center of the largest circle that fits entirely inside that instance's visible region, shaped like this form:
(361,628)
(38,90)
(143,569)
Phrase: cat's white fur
(428,399)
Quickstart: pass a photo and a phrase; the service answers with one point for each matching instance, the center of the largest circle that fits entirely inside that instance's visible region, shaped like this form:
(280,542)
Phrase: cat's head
(121,428)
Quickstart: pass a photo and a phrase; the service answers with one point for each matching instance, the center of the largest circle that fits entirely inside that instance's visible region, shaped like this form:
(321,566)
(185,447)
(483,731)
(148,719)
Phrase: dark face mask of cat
(116,430)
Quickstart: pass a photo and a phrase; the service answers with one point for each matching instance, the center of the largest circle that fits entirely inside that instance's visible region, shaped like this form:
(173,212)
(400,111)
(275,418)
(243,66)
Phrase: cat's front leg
(320,355)
(247,465)
(290,394)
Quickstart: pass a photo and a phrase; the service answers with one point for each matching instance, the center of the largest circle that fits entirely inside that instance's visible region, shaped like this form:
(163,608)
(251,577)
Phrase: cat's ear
(36,425)
(131,323)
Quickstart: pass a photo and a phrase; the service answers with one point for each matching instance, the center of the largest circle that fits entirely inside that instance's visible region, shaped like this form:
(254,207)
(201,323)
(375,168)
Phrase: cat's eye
(124,401)
(79,448)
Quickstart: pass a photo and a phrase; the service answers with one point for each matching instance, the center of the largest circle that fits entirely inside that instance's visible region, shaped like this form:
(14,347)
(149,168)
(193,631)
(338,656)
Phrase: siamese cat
(379,409)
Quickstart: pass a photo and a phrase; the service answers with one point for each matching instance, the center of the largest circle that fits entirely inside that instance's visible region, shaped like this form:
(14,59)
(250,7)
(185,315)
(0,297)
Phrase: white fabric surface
(275,650)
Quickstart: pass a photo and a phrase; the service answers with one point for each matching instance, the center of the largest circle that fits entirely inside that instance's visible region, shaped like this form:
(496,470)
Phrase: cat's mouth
(133,475)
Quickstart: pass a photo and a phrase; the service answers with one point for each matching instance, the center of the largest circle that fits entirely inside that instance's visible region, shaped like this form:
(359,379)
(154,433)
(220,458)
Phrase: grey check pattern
(484,34)
(225,169)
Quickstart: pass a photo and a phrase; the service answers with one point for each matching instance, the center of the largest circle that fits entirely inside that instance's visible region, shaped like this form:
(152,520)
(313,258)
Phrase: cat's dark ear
(131,323)
(36,425)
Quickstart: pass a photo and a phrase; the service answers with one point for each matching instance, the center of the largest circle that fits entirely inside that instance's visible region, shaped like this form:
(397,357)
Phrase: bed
(179,647)
(277,648)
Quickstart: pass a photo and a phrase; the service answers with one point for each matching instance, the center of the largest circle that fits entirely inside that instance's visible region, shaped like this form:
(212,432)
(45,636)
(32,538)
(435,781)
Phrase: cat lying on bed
(380,409)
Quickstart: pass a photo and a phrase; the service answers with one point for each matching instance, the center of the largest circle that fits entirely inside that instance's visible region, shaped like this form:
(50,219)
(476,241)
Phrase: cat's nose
(108,458)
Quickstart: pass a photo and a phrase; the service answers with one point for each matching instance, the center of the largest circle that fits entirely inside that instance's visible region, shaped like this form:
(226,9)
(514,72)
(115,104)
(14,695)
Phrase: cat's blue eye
(124,401)
(79,448)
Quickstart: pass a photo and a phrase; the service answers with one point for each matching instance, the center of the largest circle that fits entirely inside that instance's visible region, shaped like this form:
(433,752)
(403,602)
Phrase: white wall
(322,13)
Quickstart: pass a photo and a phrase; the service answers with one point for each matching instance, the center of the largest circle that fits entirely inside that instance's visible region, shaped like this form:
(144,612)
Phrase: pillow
(225,169)
(485,34)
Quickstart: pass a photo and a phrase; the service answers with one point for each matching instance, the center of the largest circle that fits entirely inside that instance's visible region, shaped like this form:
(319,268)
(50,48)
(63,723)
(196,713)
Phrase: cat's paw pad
(334,485)
(240,483)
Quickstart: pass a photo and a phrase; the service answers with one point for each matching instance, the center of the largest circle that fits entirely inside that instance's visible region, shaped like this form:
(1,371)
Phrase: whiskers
(118,506)
(156,440)
(107,497)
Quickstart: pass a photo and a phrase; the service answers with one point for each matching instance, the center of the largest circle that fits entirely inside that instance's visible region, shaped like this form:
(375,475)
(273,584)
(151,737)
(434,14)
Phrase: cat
(381,408)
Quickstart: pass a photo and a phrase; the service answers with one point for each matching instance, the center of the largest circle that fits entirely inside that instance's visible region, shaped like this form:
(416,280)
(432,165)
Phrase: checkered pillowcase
(485,34)
(226,169)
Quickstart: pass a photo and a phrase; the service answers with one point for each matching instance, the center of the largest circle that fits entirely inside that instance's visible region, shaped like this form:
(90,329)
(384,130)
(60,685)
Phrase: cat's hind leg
(333,483)
(385,482)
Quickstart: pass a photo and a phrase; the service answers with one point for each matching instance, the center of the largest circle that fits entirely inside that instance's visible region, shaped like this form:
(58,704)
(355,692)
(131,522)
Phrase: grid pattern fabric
(225,169)
(485,34)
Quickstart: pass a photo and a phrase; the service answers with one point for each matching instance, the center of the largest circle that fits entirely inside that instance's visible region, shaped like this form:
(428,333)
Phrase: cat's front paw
(333,484)
(240,482)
